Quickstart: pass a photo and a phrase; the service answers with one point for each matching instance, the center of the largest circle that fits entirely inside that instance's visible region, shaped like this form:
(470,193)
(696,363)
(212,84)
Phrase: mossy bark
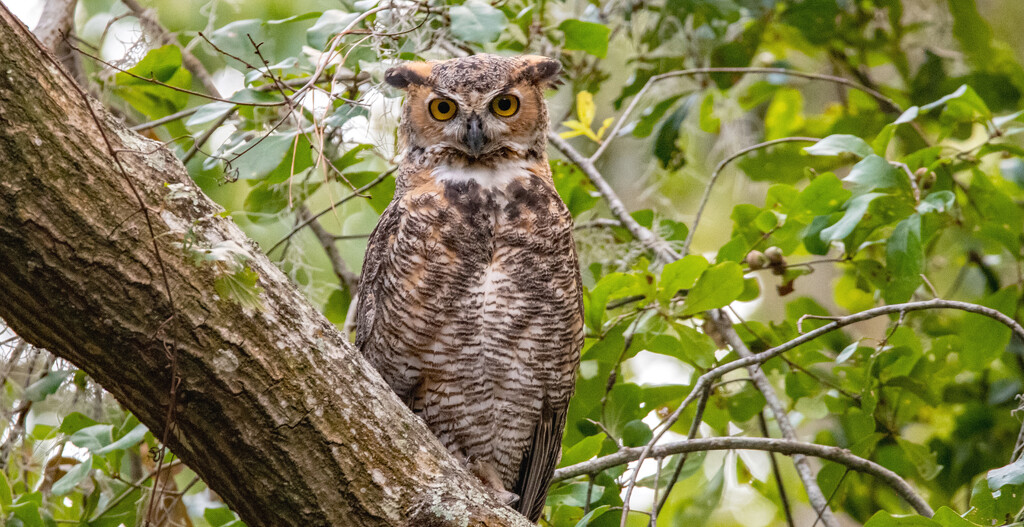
(275,410)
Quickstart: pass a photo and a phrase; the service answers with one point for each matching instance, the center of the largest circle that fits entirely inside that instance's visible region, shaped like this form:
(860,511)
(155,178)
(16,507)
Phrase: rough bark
(275,410)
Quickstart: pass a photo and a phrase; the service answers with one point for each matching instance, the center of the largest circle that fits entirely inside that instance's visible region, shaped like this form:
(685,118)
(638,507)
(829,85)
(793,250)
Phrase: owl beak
(475,138)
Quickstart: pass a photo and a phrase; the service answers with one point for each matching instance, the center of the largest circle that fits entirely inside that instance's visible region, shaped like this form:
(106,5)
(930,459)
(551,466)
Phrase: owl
(470,302)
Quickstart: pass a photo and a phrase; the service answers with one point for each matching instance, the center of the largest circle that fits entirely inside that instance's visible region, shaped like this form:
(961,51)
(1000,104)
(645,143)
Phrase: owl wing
(377,251)
(539,462)
(540,459)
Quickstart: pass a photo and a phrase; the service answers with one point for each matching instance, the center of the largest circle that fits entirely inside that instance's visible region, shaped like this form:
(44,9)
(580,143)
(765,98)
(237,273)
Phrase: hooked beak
(475,138)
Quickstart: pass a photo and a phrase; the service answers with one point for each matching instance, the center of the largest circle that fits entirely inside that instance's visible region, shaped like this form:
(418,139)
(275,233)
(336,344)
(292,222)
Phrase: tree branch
(887,104)
(164,37)
(661,249)
(803,466)
(781,446)
(718,170)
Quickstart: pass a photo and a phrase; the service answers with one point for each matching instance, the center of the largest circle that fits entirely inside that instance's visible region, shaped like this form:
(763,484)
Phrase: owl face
(475,108)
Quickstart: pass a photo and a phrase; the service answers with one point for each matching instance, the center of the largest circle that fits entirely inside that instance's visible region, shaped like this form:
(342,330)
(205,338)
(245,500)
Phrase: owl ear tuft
(542,71)
(409,73)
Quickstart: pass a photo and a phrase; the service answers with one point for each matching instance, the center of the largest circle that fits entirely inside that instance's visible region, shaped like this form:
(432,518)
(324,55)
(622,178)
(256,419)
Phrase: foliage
(913,191)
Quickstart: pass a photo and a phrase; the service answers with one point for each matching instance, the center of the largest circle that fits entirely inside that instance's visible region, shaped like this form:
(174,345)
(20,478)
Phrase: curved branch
(781,446)
(718,170)
(887,103)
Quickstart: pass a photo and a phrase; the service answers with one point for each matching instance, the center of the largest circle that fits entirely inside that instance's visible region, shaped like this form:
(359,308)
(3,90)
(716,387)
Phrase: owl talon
(506,497)
(488,475)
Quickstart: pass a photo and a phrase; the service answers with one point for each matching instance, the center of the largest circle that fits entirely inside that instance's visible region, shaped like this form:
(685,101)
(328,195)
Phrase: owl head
(477,108)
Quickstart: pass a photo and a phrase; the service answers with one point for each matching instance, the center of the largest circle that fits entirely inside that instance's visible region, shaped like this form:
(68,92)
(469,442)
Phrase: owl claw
(506,497)
(488,475)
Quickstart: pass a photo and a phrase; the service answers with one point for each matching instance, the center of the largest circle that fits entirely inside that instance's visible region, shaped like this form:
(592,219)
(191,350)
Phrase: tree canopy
(800,227)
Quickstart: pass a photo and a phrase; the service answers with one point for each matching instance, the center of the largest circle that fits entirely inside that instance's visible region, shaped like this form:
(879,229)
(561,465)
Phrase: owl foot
(488,475)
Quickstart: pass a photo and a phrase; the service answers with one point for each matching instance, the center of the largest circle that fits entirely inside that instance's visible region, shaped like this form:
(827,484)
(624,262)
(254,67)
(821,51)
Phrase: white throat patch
(488,178)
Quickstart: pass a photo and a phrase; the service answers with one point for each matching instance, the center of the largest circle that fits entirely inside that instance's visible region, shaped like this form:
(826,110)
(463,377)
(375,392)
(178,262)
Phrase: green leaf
(904,260)
(708,121)
(785,115)
(26,509)
(885,519)
(241,288)
(847,352)
(163,65)
(947,517)
(745,403)
(477,21)
(1012,474)
(46,385)
(834,145)
(874,173)
(636,433)
(129,440)
(70,480)
(592,515)
(74,422)
(971,31)
(922,458)
(585,449)
(219,516)
(209,113)
(665,148)
(680,274)
(855,210)
(93,437)
(987,337)
(939,201)
(5,492)
(586,36)
(652,115)
(717,287)
(263,154)
(824,195)
(330,23)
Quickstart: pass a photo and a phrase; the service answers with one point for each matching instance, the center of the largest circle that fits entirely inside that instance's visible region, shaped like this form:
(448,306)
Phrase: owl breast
(476,318)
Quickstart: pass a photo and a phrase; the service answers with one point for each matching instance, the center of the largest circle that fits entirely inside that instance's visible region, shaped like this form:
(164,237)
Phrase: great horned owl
(470,304)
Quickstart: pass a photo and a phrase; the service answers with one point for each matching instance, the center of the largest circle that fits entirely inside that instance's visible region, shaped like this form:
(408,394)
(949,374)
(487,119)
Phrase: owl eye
(505,105)
(442,109)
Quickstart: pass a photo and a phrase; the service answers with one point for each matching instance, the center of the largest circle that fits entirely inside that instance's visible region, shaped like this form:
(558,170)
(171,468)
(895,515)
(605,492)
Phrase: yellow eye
(442,109)
(505,105)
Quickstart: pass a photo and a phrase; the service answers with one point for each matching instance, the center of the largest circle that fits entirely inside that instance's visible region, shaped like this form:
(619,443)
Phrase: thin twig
(124,494)
(662,250)
(887,103)
(356,193)
(718,170)
(803,465)
(349,280)
(782,446)
(776,474)
(164,37)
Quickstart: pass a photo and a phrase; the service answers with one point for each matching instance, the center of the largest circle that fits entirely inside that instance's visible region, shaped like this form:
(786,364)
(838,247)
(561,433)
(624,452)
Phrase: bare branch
(164,37)
(803,466)
(348,279)
(718,170)
(887,104)
(781,446)
(661,249)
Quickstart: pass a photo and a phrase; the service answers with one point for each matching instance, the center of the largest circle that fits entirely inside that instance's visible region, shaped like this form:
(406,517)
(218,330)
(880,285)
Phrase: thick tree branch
(275,410)
(781,446)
